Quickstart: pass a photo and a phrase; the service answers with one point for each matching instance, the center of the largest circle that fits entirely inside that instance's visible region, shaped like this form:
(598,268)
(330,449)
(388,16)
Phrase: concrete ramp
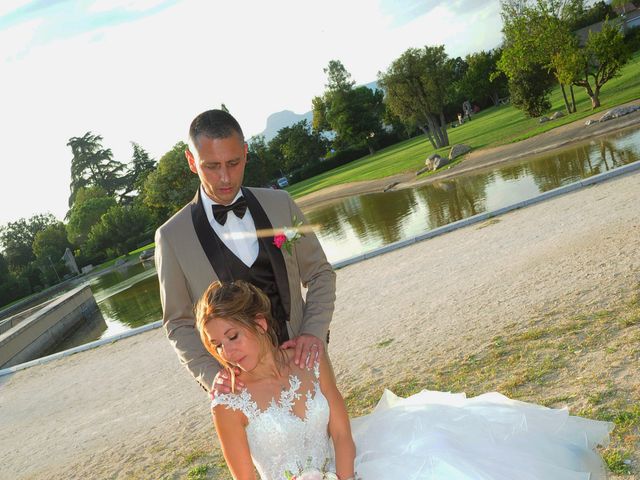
(43,329)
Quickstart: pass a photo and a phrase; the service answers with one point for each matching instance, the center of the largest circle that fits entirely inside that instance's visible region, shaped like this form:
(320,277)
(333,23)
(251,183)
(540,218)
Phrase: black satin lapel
(209,240)
(262,222)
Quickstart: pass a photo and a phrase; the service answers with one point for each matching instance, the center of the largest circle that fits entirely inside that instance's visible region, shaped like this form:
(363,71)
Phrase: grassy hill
(491,127)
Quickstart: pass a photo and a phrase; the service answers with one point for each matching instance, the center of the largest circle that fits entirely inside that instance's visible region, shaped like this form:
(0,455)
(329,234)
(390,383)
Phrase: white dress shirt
(238,234)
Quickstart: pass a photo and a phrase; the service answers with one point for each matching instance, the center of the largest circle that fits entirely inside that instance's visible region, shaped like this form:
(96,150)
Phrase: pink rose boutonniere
(289,236)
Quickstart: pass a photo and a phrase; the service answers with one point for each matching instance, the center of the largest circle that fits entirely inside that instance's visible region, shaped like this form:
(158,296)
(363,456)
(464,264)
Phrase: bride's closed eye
(218,346)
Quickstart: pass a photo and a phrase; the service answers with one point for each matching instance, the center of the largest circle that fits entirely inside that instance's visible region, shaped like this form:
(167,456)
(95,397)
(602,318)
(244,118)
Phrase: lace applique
(237,401)
(288,397)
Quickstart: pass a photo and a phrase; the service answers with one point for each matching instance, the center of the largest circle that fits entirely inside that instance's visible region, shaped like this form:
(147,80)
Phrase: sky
(141,70)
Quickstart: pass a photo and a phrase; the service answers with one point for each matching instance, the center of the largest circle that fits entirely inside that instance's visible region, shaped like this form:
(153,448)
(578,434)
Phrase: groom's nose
(224,174)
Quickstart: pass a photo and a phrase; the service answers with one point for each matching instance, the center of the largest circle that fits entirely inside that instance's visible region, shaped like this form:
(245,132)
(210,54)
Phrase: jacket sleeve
(317,275)
(178,315)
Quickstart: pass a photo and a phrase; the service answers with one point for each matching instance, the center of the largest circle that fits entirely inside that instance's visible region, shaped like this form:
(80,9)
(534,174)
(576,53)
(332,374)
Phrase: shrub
(341,157)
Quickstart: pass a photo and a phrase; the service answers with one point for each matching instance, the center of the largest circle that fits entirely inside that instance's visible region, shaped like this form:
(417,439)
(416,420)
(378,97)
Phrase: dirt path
(556,138)
(128,409)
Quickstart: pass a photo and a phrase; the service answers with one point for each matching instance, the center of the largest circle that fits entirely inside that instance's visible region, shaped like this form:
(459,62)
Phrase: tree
(456,96)
(482,81)
(602,58)
(338,78)
(597,12)
(90,204)
(141,166)
(416,85)
(543,34)
(529,90)
(11,286)
(51,242)
(120,230)
(17,238)
(319,122)
(354,114)
(93,165)
(526,57)
(262,163)
(48,247)
(171,186)
(297,145)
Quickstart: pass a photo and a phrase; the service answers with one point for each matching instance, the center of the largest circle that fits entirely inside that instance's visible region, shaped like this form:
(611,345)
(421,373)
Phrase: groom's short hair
(214,124)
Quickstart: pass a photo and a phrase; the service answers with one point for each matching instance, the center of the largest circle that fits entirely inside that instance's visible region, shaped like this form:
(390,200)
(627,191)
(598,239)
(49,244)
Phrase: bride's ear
(262,322)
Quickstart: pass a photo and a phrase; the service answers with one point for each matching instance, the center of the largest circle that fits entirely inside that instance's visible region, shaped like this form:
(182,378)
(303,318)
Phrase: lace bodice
(279,440)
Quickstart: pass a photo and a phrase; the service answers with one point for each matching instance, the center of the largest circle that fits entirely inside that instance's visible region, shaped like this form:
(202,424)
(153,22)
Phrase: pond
(128,297)
(359,224)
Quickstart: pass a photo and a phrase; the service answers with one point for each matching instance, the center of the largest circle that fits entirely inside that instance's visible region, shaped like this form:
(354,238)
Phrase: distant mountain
(286,118)
(282,119)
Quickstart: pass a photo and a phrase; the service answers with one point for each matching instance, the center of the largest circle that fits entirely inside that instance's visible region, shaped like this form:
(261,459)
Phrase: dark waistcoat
(261,275)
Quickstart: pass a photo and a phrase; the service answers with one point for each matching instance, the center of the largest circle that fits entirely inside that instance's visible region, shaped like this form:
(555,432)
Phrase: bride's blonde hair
(240,303)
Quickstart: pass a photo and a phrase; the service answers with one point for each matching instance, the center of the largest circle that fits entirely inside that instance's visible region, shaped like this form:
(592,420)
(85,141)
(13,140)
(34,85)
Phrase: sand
(124,409)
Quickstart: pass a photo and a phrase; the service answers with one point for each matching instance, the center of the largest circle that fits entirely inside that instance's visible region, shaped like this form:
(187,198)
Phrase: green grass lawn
(491,127)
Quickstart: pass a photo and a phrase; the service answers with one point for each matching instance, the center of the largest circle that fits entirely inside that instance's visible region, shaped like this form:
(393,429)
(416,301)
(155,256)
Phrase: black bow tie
(239,207)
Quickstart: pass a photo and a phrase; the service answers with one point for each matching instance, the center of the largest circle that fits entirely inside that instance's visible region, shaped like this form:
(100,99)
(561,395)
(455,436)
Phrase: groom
(226,233)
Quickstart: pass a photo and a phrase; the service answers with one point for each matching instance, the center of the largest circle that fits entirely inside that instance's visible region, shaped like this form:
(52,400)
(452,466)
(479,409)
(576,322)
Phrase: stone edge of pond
(358,258)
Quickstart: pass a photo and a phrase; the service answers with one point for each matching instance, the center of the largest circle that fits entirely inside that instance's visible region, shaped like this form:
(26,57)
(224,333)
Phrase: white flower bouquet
(310,473)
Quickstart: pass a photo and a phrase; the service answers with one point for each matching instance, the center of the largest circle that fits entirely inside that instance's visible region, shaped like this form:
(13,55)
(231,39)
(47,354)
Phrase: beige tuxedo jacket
(185,272)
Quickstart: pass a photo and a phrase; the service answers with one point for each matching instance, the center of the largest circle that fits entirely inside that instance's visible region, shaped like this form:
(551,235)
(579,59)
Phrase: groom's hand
(222,382)
(308,349)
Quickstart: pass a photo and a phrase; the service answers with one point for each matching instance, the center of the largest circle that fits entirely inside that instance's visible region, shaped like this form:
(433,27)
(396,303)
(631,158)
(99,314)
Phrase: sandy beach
(128,409)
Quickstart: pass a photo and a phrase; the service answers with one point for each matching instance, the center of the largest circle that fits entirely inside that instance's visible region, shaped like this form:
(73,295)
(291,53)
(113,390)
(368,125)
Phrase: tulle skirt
(435,435)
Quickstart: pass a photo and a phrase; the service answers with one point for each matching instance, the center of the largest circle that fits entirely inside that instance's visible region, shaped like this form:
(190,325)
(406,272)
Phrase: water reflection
(117,276)
(134,306)
(450,200)
(362,223)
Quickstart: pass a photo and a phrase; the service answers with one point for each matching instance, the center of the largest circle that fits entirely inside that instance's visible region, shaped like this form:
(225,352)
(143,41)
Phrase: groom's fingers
(222,382)
(288,344)
(308,350)
(300,351)
(317,348)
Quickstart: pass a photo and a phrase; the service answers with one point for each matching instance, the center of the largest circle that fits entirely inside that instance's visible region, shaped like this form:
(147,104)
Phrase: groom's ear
(191,159)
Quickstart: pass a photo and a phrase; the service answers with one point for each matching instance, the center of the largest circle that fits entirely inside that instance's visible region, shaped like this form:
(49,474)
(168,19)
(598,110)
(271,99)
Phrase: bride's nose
(228,352)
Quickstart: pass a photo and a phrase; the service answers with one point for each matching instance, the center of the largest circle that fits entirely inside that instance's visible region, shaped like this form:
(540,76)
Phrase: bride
(289,420)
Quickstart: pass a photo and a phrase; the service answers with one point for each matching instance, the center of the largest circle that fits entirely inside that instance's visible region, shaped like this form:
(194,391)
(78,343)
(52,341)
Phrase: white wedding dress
(428,436)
